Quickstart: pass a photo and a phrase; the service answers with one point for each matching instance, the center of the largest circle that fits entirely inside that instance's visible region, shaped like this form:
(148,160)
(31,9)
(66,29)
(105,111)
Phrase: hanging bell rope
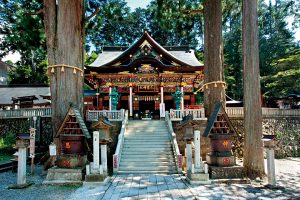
(214,83)
(63,66)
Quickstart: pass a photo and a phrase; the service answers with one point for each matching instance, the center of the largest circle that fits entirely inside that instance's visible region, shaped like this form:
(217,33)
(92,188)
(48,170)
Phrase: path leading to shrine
(156,187)
(163,187)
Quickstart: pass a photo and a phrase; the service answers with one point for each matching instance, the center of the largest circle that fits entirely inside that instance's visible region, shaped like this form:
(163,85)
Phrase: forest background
(170,23)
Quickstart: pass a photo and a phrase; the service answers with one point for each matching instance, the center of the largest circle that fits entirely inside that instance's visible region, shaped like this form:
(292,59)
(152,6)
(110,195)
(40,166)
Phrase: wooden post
(253,149)
(32,146)
(213,55)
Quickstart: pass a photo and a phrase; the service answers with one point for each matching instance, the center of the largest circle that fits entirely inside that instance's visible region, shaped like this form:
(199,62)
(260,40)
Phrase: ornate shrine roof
(146,50)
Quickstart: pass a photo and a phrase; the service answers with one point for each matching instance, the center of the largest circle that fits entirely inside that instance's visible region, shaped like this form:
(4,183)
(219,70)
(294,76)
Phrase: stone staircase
(147,149)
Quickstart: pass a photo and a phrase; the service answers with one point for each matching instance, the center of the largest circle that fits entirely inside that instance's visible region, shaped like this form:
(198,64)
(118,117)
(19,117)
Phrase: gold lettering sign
(68,146)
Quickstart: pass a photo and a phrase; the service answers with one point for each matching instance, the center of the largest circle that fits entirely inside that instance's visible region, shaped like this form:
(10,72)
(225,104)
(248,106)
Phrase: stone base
(223,161)
(93,183)
(20,186)
(63,176)
(198,179)
(226,172)
(94,178)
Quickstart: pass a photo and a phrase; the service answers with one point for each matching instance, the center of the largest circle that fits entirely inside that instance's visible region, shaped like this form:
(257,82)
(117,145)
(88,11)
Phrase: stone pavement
(175,187)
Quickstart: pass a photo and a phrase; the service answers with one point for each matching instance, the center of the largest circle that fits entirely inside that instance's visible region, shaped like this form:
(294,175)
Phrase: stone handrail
(117,155)
(172,135)
(26,113)
(113,115)
(177,115)
(238,112)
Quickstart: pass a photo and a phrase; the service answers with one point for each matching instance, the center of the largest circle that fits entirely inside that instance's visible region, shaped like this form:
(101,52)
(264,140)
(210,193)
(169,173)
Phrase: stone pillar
(96,163)
(161,94)
(104,157)
(21,179)
(182,98)
(198,167)
(130,101)
(271,166)
(162,104)
(109,98)
(189,159)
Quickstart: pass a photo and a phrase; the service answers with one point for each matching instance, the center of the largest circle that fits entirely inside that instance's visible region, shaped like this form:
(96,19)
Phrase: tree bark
(64,38)
(253,155)
(213,54)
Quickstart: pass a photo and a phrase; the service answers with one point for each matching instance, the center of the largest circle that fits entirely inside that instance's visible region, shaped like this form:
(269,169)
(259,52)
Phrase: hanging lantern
(81,74)
(52,69)
(62,69)
(215,84)
(74,71)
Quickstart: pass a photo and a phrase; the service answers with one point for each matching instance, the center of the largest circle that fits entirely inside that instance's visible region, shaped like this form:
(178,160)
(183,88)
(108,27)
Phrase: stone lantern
(197,175)
(177,97)
(270,142)
(114,96)
(102,137)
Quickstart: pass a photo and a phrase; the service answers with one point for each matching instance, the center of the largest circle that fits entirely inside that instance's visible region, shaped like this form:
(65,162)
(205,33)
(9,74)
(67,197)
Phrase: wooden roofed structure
(145,74)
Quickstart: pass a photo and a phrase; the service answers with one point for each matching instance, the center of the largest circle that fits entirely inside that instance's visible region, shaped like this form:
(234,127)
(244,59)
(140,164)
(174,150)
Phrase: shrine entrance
(147,109)
(147,106)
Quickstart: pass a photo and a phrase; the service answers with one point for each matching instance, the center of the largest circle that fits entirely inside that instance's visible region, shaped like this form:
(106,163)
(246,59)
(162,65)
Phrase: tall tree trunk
(253,155)
(213,54)
(64,37)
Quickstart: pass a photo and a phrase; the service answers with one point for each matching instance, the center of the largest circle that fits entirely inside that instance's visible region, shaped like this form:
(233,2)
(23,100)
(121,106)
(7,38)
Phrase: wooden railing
(177,115)
(26,113)
(238,112)
(113,115)
(117,155)
(178,156)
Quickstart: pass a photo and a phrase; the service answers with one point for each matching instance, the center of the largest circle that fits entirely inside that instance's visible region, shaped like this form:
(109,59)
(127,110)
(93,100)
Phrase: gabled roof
(178,56)
(7,93)
(74,111)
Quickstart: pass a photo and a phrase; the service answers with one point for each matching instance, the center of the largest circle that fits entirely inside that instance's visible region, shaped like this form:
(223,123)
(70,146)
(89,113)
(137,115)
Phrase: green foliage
(23,32)
(285,77)
(289,143)
(6,145)
(88,59)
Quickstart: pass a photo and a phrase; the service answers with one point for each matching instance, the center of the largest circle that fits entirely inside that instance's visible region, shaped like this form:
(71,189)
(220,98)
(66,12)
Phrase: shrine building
(145,75)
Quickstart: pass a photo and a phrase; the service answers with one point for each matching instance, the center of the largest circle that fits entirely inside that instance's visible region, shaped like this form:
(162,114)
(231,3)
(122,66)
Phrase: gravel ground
(287,172)
(36,191)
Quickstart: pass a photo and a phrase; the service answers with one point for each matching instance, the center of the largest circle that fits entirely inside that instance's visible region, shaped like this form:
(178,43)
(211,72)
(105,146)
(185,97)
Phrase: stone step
(145,142)
(132,135)
(141,138)
(148,168)
(146,139)
(144,163)
(145,154)
(147,148)
(124,157)
(134,158)
(148,172)
(149,131)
